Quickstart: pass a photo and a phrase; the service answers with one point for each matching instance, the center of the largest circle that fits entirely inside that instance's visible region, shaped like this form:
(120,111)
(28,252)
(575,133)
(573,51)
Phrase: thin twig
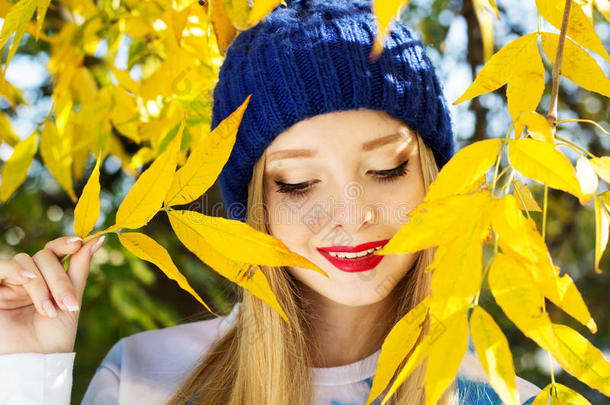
(552,115)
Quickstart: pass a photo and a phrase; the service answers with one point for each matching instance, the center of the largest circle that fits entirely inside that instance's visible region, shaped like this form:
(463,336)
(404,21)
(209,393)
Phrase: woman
(333,151)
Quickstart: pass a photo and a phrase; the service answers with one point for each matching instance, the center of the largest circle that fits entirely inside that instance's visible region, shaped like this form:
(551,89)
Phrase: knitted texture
(312,57)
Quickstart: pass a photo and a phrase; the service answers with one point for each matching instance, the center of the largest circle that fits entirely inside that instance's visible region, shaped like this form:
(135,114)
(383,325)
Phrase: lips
(356,264)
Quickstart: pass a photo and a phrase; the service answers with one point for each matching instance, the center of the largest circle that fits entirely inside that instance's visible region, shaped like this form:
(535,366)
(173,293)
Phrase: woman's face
(339,180)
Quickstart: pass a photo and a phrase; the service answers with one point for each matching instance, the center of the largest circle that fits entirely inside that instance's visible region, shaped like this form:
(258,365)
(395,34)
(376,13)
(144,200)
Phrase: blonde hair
(274,369)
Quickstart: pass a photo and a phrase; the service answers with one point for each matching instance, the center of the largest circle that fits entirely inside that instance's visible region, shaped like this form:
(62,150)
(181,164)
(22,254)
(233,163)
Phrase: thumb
(78,269)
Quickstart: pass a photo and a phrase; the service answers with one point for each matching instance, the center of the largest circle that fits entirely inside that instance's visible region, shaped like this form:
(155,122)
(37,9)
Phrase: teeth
(346,255)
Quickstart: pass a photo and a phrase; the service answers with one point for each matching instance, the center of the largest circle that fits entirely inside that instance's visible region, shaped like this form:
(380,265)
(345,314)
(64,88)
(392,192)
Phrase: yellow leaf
(384,11)
(146,248)
(571,301)
(518,237)
(206,160)
(525,199)
(436,222)
(224,31)
(15,169)
(57,156)
(561,395)
(515,292)
(260,9)
(483,10)
(16,21)
(464,169)
(581,359)
(602,225)
(238,11)
(601,165)
(445,356)
(449,337)
(6,131)
(147,194)
(577,65)
(586,178)
(42,6)
(87,209)
(254,247)
(458,266)
(540,161)
(537,126)
(256,282)
(579,27)
(518,64)
(397,345)
(495,355)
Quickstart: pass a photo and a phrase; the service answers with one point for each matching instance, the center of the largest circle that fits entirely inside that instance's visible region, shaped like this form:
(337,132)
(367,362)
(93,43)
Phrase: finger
(11,272)
(64,245)
(37,288)
(80,262)
(56,278)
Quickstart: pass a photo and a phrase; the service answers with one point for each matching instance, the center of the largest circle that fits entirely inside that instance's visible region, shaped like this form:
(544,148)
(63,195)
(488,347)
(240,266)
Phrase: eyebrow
(308,153)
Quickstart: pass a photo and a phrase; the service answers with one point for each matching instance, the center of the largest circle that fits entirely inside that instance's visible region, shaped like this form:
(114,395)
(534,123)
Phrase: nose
(351,209)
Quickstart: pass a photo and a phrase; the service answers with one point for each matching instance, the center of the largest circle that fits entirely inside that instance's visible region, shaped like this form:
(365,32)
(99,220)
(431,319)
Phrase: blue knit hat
(312,57)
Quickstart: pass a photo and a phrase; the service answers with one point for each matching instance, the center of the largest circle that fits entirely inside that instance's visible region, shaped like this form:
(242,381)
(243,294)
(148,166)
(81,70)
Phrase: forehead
(339,129)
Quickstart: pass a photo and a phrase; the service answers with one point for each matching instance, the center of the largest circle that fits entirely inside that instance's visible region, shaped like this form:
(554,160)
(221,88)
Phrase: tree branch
(552,114)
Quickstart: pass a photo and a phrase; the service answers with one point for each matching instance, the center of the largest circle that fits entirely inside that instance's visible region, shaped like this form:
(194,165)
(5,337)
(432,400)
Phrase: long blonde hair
(274,369)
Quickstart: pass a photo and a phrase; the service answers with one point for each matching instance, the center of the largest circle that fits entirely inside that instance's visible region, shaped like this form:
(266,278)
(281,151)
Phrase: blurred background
(125,295)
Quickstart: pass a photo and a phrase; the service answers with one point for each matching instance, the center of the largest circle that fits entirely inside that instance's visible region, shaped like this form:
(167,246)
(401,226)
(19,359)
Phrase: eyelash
(383,176)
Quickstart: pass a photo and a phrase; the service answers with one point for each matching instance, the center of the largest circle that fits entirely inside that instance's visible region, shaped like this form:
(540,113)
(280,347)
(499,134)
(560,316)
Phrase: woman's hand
(35,313)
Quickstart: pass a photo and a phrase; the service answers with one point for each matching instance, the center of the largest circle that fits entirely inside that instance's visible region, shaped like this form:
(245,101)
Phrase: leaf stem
(587,121)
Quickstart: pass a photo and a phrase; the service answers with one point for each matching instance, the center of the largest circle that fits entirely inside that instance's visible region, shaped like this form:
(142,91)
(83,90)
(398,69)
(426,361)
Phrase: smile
(354,259)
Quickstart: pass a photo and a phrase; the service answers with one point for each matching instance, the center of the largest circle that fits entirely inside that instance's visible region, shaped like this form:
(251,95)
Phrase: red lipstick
(356,264)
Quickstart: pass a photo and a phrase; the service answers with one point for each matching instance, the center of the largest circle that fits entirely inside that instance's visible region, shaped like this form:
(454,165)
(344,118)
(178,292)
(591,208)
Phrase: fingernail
(70,301)
(97,245)
(27,274)
(48,306)
(74,239)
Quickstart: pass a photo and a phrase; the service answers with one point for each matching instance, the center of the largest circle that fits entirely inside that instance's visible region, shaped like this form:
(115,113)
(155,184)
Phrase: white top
(147,367)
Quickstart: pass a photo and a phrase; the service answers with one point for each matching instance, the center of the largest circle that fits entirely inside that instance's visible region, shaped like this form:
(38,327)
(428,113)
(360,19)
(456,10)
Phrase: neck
(343,334)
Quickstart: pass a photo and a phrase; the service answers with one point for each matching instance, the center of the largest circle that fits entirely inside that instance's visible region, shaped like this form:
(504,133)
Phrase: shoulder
(160,353)
(474,388)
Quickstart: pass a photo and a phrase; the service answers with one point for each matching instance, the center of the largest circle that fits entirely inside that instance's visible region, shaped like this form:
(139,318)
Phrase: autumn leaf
(583,360)
(601,165)
(494,354)
(397,345)
(579,27)
(253,246)
(445,344)
(559,394)
(384,12)
(586,178)
(15,22)
(464,170)
(56,154)
(577,65)
(540,161)
(87,209)
(260,9)
(537,126)
(224,31)
(147,194)
(146,248)
(206,160)
(518,64)
(485,11)
(519,238)
(256,282)
(15,169)
(41,7)
(524,197)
